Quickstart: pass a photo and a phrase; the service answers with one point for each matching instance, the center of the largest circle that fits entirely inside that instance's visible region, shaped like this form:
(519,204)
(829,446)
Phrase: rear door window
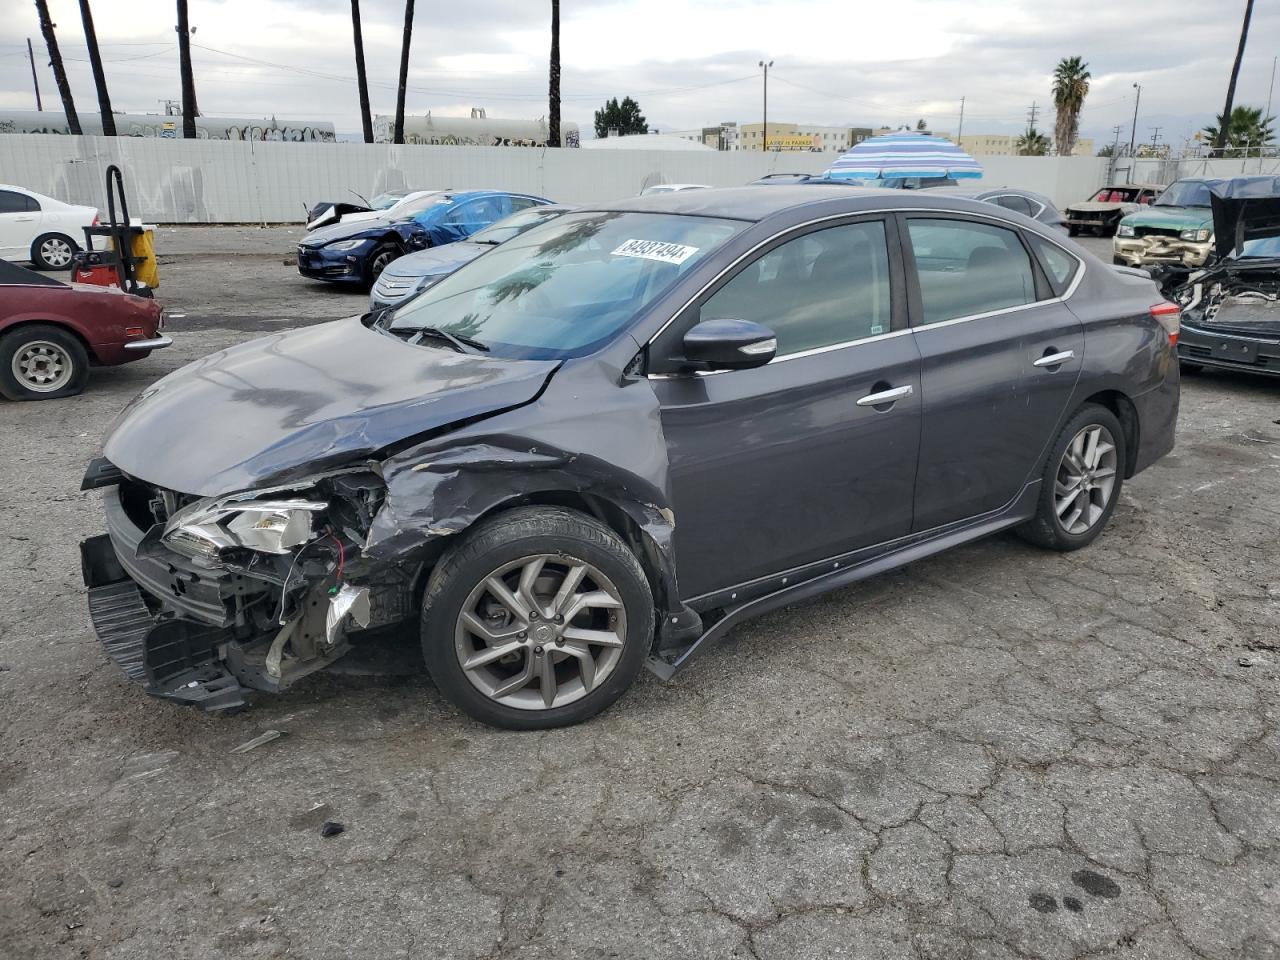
(967,268)
(1059,265)
(12,202)
(1015,203)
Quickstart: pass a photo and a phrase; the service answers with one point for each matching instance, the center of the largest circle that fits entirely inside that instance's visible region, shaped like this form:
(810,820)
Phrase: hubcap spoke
(547,679)
(490,654)
(517,682)
(528,577)
(586,663)
(601,638)
(568,587)
(504,596)
(596,599)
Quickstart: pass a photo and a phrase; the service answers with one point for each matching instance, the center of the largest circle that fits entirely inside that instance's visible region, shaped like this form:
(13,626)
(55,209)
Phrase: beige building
(1006,145)
(783,136)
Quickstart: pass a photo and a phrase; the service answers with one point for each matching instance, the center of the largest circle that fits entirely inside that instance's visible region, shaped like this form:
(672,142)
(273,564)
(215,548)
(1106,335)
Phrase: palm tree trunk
(189,109)
(361,78)
(55,61)
(404,71)
(99,78)
(553,134)
(1221,140)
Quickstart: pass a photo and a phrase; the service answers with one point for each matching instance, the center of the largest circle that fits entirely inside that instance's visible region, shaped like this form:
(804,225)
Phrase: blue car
(417,271)
(357,251)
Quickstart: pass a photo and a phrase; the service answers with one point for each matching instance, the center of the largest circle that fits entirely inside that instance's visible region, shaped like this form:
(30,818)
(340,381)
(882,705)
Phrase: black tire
(1073,230)
(506,539)
(42,351)
(1191,369)
(53,251)
(1119,261)
(1046,528)
(382,255)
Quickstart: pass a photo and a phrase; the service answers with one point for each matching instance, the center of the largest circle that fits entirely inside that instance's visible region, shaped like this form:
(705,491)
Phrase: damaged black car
(1231,309)
(616,436)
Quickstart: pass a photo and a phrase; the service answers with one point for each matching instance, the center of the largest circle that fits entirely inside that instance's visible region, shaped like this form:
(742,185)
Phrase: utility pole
(362,79)
(1031,116)
(1221,140)
(189,109)
(35,80)
(764,143)
(55,61)
(1155,139)
(404,72)
(1265,113)
(553,107)
(95,63)
(1133,130)
(960,130)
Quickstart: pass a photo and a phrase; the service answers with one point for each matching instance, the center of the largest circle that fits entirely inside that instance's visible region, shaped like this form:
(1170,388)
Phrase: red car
(52,332)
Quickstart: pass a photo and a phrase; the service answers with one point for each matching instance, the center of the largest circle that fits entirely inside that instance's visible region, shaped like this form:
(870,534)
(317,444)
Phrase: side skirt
(844,570)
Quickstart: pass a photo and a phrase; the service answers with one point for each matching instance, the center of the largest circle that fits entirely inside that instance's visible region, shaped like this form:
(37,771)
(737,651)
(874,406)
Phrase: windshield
(565,288)
(1185,193)
(514,225)
(385,200)
(411,205)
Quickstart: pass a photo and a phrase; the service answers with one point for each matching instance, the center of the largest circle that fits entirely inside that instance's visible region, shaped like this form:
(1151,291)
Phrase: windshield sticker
(676,253)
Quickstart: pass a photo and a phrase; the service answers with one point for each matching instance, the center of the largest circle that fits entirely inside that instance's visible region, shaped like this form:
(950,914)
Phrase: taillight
(95,219)
(1167,315)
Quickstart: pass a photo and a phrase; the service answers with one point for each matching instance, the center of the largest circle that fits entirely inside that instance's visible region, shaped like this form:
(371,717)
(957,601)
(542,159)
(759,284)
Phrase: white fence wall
(218,181)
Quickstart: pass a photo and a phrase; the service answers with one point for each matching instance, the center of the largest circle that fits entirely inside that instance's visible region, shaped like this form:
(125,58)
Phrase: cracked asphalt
(996,753)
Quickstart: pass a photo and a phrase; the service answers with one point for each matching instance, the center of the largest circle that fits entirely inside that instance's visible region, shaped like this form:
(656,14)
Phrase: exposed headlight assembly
(1198,236)
(1124,230)
(207,527)
(344,244)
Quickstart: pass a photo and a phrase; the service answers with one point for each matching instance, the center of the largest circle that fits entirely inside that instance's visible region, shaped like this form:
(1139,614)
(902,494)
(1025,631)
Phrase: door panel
(779,466)
(988,410)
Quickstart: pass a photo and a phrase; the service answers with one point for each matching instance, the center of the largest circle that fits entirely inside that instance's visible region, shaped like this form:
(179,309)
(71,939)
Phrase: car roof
(752,203)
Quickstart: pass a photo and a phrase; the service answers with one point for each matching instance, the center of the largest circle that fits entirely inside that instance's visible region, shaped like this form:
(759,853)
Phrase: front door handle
(1055,359)
(885,396)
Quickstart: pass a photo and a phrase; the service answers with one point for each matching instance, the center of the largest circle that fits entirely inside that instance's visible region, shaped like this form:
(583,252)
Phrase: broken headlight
(207,527)
(1124,230)
(1196,236)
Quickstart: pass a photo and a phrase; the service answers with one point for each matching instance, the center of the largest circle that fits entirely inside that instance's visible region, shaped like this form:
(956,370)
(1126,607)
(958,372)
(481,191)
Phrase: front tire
(42,362)
(1081,483)
(540,617)
(382,255)
(53,251)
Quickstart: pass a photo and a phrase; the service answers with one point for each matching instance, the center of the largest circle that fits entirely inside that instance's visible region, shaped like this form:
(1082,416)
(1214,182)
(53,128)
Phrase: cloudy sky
(688,64)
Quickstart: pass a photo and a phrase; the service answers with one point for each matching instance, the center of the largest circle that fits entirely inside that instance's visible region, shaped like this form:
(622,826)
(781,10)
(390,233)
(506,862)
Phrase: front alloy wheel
(537,617)
(541,632)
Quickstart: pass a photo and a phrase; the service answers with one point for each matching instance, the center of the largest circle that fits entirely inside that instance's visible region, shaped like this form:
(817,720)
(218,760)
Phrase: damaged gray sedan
(618,435)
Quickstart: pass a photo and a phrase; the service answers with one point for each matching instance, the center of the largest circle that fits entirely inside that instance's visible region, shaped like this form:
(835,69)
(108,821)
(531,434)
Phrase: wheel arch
(1125,411)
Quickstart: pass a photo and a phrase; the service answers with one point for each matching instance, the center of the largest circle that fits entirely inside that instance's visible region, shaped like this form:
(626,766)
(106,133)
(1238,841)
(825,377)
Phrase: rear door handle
(1055,359)
(885,396)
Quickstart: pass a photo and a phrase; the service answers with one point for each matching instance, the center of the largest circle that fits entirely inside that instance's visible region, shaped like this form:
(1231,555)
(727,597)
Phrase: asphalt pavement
(995,753)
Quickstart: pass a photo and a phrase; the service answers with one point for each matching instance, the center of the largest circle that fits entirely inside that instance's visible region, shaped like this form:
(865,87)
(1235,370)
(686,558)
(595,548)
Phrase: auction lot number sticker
(676,253)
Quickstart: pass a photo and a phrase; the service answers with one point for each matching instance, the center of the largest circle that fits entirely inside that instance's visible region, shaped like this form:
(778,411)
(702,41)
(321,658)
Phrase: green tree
(1032,143)
(625,117)
(1108,151)
(921,125)
(1220,140)
(1070,87)
(1247,130)
(553,110)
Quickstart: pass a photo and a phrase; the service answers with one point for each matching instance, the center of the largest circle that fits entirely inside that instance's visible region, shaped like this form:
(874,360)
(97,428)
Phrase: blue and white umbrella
(897,155)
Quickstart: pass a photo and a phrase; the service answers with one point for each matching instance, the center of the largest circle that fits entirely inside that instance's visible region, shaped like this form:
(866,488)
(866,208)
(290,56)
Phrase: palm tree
(1070,87)
(553,119)
(362,79)
(95,63)
(55,61)
(1221,139)
(1032,143)
(404,71)
(1247,130)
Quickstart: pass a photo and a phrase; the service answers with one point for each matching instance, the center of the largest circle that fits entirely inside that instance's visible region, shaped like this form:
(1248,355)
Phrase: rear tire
(53,251)
(561,594)
(1081,483)
(42,362)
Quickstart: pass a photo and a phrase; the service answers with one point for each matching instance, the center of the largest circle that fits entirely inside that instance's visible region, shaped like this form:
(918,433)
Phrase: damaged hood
(1244,208)
(1169,217)
(287,405)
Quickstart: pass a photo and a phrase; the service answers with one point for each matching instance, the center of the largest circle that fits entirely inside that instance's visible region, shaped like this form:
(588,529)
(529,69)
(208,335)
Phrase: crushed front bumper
(1229,349)
(1144,251)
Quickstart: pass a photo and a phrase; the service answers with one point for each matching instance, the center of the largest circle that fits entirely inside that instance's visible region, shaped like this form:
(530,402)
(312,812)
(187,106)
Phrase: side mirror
(730,344)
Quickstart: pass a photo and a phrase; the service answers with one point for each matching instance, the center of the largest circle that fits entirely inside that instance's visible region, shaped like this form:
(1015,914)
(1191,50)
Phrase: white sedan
(45,231)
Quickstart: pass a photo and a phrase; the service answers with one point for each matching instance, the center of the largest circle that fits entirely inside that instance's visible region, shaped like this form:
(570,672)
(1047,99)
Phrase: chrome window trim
(1008,224)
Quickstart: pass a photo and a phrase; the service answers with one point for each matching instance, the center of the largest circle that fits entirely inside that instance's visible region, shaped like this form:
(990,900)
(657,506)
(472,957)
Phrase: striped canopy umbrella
(897,155)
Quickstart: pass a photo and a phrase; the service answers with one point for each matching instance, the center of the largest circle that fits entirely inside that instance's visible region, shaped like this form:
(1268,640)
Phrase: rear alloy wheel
(53,251)
(542,617)
(41,362)
(1081,482)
